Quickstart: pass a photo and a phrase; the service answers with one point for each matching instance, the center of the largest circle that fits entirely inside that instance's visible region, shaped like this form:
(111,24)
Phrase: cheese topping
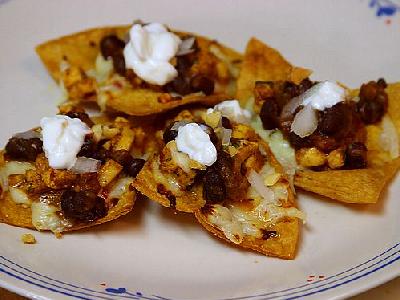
(232,110)
(196,143)
(149,51)
(46,217)
(62,138)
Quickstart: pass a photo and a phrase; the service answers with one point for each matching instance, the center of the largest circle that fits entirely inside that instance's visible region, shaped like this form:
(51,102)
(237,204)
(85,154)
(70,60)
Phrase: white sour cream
(196,143)
(232,110)
(149,51)
(323,95)
(62,138)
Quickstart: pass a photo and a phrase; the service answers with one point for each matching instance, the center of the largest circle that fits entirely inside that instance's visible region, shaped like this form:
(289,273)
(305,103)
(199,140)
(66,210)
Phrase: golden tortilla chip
(81,49)
(349,186)
(280,240)
(262,63)
(19,215)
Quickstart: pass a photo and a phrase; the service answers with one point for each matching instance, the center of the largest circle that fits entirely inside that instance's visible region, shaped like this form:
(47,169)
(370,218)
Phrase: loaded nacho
(215,165)
(71,172)
(141,69)
(340,143)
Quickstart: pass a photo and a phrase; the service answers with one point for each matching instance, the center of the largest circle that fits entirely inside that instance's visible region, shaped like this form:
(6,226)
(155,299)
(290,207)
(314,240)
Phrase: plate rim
(362,270)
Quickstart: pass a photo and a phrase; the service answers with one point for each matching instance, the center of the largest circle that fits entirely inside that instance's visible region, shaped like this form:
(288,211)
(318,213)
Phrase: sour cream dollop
(196,143)
(232,110)
(62,138)
(149,51)
(324,95)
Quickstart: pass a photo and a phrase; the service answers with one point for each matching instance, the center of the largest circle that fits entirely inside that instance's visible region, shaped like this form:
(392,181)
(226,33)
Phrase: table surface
(387,291)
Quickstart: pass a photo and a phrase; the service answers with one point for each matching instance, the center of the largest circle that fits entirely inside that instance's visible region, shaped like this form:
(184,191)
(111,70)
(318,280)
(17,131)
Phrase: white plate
(153,253)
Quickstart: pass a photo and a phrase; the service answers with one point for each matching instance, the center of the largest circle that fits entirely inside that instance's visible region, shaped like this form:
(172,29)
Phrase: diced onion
(257,182)
(226,136)
(120,187)
(85,165)
(291,107)
(389,138)
(305,122)
(179,124)
(186,46)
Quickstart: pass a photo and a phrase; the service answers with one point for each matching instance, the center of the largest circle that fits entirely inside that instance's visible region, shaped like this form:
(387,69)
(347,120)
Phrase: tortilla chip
(283,245)
(393,91)
(15,214)
(262,63)
(147,184)
(21,216)
(350,186)
(81,49)
(141,102)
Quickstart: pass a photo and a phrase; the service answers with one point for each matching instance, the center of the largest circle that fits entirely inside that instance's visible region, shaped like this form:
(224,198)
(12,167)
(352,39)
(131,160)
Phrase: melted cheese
(45,217)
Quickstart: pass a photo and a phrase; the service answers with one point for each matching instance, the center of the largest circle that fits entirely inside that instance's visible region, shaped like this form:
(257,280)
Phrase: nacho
(97,189)
(76,62)
(363,185)
(321,162)
(225,196)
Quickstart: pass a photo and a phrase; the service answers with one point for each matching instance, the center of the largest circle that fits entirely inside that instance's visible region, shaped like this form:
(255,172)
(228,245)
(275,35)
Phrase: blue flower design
(384,8)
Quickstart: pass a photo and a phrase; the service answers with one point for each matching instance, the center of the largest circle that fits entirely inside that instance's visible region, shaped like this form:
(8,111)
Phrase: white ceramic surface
(155,254)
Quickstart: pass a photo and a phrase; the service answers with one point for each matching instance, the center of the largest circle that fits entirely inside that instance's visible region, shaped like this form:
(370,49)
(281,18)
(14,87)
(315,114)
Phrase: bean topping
(373,101)
(269,114)
(203,84)
(84,117)
(25,149)
(214,188)
(110,45)
(131,165)
(356,156)
(169,134)
(336,121)
(83,206)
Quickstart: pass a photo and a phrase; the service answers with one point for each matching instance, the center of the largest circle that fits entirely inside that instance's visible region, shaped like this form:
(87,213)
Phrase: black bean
(135,166)
(88,148)
(119,63)
(25,149)
(84,117)
(304,85)
(226,123)
(203,84)
(101,154)
(298,142)
(179,85)
(110,45)
(169,134)
(214,188)
(368,91)
(371,111)
(336,121)
(83,206)
(269,114)
(382,83)
(356,156)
